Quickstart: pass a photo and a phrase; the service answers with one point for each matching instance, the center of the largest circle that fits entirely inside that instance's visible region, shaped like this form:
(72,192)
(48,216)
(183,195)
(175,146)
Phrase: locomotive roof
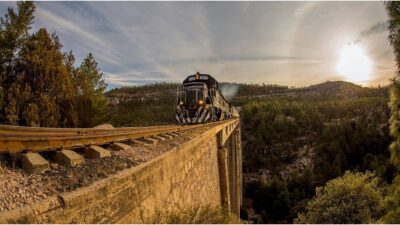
(199,77)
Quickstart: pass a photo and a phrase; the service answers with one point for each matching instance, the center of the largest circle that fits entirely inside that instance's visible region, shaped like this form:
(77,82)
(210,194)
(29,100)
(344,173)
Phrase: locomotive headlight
(180,103)
(201,102)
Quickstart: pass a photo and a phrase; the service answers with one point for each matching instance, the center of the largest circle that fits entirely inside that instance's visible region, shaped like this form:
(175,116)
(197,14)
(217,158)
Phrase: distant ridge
(328,89)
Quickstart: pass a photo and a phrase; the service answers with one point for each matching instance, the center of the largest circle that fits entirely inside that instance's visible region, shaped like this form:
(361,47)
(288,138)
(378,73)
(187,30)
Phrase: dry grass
(194,215)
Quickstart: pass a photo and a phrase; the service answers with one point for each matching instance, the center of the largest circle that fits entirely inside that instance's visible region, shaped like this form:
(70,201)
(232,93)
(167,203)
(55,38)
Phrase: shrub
(352,198)
(193,215)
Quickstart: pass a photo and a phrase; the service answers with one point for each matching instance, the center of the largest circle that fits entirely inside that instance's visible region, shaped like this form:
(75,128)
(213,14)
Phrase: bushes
(352,198)
(193,215)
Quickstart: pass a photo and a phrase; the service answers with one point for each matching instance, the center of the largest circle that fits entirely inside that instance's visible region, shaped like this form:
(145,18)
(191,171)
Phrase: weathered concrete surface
(159,138)
(95,152)
(184,176)
(150,141)
(223,176)
(166,136)
(68,157)
(116,146)
(34,163)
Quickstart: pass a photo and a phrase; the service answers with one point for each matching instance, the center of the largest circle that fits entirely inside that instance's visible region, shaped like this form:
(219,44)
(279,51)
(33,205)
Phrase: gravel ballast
(18,188)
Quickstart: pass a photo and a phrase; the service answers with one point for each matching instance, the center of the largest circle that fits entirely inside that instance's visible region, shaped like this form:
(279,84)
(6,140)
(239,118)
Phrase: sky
(286,43)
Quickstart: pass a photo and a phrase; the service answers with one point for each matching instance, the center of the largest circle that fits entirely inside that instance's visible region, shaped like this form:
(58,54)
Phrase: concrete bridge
(205,170)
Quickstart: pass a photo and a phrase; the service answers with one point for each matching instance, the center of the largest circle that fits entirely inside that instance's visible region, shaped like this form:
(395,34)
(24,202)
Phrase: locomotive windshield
(193,93)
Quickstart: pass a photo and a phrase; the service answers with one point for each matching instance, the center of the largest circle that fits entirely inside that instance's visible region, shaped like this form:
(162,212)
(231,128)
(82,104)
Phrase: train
(200,100)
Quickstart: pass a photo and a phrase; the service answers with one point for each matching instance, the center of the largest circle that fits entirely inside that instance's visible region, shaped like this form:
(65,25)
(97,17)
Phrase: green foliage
(271,200)
(193,215)
(90,87)
(392,204)
(393,200)
(39,85)
(393,9)
(151,104)
(352,198)
(341,134)
(14,29)
(49,95)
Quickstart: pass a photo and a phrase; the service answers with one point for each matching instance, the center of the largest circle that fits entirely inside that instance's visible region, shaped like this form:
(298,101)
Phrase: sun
(354,64)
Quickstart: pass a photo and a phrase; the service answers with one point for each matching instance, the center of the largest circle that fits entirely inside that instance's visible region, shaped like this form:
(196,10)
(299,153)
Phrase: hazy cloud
(374,29)
(290,43)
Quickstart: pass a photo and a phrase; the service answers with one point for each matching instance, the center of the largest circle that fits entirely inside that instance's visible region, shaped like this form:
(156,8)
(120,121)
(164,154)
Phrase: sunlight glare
(354,64)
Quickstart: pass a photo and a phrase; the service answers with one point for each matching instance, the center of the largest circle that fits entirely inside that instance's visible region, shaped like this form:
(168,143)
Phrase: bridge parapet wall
(188,175)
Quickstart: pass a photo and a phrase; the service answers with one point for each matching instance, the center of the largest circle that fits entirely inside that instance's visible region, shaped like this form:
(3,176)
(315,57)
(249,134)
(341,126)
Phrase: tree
(392,204)
(14,29)
(352,198)
(89,87)
(393,211)
(39,85)
(50,95)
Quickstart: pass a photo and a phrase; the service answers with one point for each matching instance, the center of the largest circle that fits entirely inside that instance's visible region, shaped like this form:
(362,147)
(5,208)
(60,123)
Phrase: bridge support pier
(224,176)
(230,169)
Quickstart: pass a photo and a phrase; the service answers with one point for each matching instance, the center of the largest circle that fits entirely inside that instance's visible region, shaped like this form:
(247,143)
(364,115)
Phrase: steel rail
(42,139)
(7,130)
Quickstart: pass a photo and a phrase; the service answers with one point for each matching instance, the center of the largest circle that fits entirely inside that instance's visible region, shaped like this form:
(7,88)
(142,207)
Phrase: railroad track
(35,148)
(14,139)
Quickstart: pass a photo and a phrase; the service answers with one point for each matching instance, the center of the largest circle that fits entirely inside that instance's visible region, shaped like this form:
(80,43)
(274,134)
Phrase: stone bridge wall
(189,175)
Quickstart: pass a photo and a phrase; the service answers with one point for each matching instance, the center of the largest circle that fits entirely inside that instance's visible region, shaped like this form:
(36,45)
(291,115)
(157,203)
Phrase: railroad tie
(117,146)
(96,152)
(68,157)
(138,142)
(178,133)
(159,138)
(173,134)
(34,163)
(167,136)
(149,140)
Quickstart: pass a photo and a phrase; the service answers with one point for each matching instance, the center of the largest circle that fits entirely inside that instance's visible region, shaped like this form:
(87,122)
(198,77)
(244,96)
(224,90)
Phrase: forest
(342,135)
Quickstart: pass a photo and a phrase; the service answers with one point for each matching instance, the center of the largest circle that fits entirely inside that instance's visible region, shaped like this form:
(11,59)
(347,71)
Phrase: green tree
(50,94)
(393,211)
(90,86)
(392,204)
(393,9)
(14,29)
(352,198)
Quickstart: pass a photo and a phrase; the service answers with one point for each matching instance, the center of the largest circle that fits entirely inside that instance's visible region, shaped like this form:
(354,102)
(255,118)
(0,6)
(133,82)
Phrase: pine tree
(90,87)
(50,100)
(393,210)
(393,9)
(39,85)
(14,29)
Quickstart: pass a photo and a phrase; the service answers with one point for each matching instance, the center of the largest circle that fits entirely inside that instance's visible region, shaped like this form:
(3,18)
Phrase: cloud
(305,9)
(143,42)
(374,29)
(87,38)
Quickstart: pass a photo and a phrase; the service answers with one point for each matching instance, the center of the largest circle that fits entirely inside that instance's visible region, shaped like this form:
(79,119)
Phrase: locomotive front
(194,100)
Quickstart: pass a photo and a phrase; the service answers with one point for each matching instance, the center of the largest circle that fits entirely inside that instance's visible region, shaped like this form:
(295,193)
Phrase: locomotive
(199,100)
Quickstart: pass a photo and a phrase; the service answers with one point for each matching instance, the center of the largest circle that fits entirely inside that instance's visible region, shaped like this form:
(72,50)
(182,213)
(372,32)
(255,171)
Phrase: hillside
(239,92)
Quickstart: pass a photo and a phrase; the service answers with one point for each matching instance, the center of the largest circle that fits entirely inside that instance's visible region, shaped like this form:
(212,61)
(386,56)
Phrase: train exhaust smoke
(229,90)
